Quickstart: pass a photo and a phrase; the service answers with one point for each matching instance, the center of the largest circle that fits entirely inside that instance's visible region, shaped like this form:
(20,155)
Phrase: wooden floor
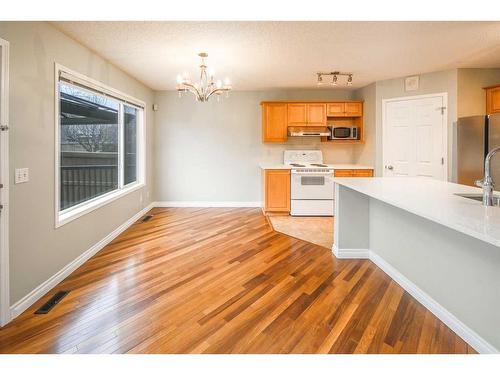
(221,281)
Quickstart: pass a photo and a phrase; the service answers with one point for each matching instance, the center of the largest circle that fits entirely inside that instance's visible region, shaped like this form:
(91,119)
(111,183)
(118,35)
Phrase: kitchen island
(442,248)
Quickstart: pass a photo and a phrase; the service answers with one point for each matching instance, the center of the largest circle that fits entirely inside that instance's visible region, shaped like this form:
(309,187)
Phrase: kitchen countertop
(433,200)
(333,166)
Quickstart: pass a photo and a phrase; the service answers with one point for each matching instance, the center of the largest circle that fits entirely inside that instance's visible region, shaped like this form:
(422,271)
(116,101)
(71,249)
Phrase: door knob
(390,167)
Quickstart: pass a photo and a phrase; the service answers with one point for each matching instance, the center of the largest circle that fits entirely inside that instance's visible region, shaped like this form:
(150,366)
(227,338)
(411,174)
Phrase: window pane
(89,145)
(130,147)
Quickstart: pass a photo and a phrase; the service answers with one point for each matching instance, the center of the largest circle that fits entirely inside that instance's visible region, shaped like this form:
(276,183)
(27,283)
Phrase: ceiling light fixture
(320,80)
(335,77)
(207,85)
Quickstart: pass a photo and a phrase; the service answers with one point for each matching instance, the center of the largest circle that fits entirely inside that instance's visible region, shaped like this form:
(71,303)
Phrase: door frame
(444,125)
(5,315)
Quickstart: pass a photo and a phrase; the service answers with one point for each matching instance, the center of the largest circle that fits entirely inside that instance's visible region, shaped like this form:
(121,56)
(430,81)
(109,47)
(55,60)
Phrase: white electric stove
(312,187)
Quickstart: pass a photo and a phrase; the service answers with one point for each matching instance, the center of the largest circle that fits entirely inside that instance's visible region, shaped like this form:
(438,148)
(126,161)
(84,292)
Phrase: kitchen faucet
(487,182)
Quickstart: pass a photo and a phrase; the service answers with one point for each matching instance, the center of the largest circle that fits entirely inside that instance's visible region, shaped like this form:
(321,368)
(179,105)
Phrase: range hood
(308,131)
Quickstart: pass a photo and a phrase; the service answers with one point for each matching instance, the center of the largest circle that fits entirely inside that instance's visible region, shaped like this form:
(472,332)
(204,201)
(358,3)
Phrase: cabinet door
(297,114)
(274,122)
(316,115)
(335,109)
(343,173)
(493,100)
(363,173)
(277,190)
(354,109)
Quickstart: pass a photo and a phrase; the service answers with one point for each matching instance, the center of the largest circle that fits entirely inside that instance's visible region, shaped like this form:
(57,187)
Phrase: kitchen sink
(479,197)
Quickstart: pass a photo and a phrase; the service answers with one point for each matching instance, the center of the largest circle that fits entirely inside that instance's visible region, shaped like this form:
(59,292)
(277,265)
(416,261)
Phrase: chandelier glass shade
(206,87)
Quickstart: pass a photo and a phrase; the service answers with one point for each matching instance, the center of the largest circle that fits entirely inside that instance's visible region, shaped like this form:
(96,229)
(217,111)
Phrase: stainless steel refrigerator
(476,136)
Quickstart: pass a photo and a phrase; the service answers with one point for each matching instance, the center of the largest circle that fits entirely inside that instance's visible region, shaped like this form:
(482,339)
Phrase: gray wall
(37,249)
(365,154)
(471,97)
(211,151)
(430,83)
(457,271)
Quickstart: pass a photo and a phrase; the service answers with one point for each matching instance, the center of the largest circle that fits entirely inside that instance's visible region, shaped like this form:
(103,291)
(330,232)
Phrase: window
(99,135)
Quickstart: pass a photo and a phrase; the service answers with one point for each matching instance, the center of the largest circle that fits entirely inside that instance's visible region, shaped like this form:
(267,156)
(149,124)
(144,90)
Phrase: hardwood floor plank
(220,280)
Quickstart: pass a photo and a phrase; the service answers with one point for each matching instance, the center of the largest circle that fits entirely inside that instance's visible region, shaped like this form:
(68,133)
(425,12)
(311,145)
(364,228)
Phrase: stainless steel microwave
(343,132)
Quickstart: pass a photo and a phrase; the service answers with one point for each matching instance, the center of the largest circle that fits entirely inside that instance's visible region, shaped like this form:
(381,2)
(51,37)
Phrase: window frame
(69,214)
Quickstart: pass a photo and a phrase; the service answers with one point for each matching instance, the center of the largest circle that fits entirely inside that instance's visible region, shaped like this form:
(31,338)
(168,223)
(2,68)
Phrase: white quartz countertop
(333,166)
(434,200)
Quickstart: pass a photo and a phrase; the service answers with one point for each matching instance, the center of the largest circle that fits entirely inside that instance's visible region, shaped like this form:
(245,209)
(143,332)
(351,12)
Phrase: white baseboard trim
(206,204)
(350,253)
(28,300)
(466,333)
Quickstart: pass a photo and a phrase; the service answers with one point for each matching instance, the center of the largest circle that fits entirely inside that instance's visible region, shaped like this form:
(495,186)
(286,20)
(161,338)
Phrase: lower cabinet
(276,190)
(353,173)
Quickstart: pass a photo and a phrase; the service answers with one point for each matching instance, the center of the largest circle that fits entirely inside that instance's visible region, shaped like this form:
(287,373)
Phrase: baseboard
(467,334)
(350,253)
(207,204)
(28,300)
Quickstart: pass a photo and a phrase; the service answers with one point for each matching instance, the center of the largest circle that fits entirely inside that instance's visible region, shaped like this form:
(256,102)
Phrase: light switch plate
(22,175)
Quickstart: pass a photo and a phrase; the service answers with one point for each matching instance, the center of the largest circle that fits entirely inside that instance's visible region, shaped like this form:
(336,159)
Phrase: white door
(414,137)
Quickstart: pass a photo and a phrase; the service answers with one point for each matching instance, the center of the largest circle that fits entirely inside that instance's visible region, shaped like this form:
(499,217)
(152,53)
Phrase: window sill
(93,204)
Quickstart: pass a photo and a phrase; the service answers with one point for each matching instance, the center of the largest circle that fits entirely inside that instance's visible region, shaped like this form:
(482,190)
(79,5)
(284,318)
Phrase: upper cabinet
(345,109)
(316,114)
(492,99)
(306,114)
(274,122)
(353,109)
(297,114)
(335,109)
(278,116)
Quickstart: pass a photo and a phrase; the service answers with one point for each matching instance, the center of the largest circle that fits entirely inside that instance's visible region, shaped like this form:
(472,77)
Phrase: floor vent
(56,298)
(147,218)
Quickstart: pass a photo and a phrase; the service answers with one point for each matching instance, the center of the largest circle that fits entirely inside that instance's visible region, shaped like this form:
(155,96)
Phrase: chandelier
(207,85)
(335,76)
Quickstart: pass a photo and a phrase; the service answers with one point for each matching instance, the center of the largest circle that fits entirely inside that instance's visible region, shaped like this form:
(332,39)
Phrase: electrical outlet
(22,175)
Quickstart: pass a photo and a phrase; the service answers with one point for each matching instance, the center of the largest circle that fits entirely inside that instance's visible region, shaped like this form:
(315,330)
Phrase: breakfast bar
(440,246)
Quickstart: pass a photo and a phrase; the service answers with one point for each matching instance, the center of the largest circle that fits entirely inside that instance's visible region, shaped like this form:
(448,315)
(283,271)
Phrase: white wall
(211,151)
(37,249)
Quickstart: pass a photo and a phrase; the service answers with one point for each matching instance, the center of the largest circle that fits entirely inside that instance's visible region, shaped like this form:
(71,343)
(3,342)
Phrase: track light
(320,79)
(335,77)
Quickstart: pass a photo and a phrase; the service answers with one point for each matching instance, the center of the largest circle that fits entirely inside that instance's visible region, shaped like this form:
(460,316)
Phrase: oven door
(317,185)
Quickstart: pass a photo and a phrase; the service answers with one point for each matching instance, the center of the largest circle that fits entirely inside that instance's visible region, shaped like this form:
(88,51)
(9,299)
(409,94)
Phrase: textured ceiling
(262,55)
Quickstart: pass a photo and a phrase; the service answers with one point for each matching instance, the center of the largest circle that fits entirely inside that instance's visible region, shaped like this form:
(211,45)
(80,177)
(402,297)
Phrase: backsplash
(273,153)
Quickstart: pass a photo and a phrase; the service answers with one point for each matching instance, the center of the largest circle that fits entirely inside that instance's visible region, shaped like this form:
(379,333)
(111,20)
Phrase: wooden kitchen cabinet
(363,173)
(345,109)
(276,190)
(274,122)
(353,173)
(306,114)
(278,116)
(297,114)
(492,99)
(335,109)
(353,109)
(316,114)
